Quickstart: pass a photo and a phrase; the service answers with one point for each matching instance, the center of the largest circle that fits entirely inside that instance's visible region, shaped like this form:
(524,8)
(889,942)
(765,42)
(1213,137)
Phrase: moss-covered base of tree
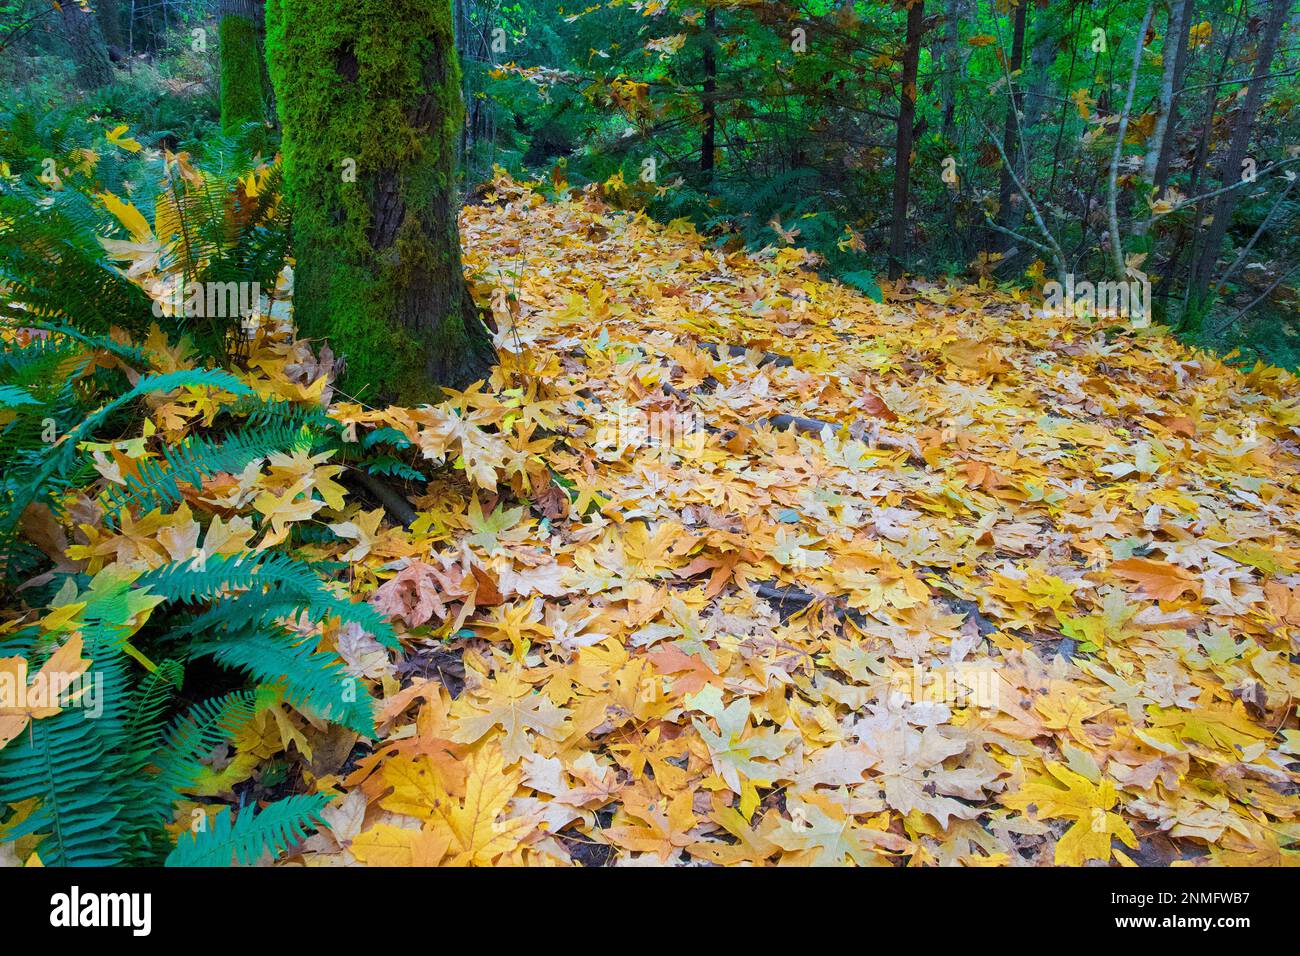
(241,76)
(369,99)
(385,360)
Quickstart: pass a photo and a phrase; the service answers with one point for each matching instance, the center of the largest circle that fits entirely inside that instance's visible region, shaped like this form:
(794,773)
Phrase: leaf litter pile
(729,565)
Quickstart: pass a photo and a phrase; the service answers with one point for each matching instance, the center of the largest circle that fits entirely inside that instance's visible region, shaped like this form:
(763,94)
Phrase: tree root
(395,503)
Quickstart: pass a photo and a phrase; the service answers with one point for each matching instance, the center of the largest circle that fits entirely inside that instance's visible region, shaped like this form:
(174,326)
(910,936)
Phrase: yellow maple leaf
(514,623)
(1089,805)
(387,845)
(479,832)
(1083,103)
(22,702)
(117,136)
(129,216)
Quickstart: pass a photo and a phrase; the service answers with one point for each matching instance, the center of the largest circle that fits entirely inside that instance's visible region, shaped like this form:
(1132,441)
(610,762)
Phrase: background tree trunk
(371,92)
(110,24)
(903,141)
(1011,129)
(1160,178)
(241,65)
(1112,180)
(1175,44)
(1230,172)
(81,30)
(948,55)
(1041,56)
(708,137)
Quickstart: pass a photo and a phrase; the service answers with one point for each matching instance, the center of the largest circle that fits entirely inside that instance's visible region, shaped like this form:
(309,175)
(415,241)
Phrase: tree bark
(241,65)
(903,141)
(369,97)
(1238,145)
(708,137)
(1177,32)
(110,25)
(1160,178)
(1011,128)
(948,55)
(81,30)
(1112,182)
(1041,56)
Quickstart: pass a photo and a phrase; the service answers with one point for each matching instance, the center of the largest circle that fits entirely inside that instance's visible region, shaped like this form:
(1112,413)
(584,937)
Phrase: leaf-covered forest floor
(1032,597)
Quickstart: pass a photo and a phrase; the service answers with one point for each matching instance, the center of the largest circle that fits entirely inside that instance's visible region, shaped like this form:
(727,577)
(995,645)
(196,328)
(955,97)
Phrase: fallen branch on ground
(393,501)
(739,351)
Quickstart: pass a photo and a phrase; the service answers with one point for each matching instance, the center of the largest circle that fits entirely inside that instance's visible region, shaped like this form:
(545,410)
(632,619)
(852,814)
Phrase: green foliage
(104,782)
(67,762)
(39,471)
(311,681)
(214,230)
(269,577)
(251,834)
(54,264)
(158,482)
(806,134)
(241,75)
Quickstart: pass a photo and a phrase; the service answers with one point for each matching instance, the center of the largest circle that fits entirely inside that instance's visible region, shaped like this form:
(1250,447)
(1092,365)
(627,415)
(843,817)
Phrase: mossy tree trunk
(241,66)
(81,30)
(369,99)
(110,23)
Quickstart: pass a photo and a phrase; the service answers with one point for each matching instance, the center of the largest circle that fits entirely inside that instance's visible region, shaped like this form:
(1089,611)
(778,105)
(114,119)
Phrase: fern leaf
(68,763)
(313,680)
(194,734)
(274,829)
(191,582)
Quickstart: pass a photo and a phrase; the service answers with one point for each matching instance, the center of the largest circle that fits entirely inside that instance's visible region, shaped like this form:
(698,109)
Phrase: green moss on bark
(369,99)
(241,76)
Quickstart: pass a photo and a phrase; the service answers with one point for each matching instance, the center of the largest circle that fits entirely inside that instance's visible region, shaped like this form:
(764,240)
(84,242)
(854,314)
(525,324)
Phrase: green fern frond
(68,763)
(163,763)
(312,680)
(54,264)
(194,734)
(261,413)
(144,811)
(393,467)
(149,704)
(251,609)
(12,397)
(131,354)
(158,483)
(60,460)
(194,582)
(274,829)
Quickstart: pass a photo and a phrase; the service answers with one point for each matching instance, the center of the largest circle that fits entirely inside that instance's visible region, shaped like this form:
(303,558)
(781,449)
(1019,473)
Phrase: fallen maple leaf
(1160,580)
(22,702)
(1091,807)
